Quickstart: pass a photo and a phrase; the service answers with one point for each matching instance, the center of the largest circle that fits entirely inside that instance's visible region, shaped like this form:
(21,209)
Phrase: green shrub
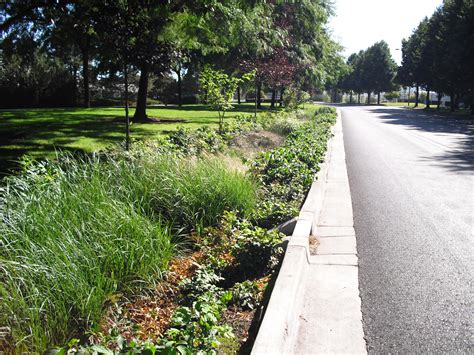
(204,280)
(254,251)
(197,329)
(287,172)
(246,295)
(194,142)
(294,97)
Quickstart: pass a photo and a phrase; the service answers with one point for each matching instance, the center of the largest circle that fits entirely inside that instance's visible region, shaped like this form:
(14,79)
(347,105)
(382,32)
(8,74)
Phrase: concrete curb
(279,329)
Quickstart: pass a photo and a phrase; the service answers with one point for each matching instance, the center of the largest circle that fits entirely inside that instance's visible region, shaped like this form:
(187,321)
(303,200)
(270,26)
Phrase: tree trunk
(140,112)
(85,76)
(350,97)
(417,95)
(368,98)
(273,98)
(378,98)
(36,96)
(259,95)
(427,97)
(74,70)
(238,95)
(453,106)
(439,101)
(358,98)
(179,86)
(409,92)
(282,91)
(255,106)
(456,101)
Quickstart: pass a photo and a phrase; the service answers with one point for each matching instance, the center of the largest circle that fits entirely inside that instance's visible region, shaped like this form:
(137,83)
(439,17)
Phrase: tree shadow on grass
(41,132)
(246,108)
(41,137)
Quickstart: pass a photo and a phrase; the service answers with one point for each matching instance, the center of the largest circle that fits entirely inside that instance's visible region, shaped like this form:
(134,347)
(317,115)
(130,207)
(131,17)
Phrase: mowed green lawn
(40,132)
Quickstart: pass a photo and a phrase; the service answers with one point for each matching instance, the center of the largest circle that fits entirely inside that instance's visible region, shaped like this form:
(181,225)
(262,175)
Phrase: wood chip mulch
(147,317)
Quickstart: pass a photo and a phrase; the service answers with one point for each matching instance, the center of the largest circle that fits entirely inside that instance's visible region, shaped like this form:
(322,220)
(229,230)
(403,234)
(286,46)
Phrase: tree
(219,89)
(29,76)
(74,24)
(63,23)
(455,48)
(440,52)
(308,42)
(378,69)
(149,52)
(415,68)
(117,44)
(354,77)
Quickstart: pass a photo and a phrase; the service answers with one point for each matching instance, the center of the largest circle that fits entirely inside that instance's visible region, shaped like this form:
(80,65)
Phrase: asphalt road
(411,177)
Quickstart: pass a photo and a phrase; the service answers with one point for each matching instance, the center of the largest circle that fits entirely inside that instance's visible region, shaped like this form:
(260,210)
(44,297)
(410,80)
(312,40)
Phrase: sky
(360,23)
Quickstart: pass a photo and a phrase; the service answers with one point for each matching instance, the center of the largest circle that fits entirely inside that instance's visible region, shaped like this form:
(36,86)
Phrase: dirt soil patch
(254,142)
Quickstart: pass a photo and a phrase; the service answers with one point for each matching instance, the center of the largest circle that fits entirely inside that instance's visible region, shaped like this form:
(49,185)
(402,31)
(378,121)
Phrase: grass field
(40,132)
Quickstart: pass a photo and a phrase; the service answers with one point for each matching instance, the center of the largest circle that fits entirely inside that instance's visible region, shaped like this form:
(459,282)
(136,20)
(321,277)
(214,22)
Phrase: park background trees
(168,43)
(372,71)
(439,55)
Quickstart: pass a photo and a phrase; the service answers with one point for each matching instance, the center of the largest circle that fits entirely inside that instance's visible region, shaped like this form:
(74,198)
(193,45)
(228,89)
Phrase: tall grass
(74,233)
(283,122)
(192,193)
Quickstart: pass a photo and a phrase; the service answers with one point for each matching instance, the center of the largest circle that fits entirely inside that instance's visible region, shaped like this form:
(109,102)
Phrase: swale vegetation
(89,244)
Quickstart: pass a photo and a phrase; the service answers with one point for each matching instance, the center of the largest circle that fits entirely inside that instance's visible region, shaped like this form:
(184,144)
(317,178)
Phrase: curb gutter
(281,331)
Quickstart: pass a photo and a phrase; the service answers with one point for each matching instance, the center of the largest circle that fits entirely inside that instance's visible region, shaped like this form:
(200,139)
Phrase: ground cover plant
(168,248)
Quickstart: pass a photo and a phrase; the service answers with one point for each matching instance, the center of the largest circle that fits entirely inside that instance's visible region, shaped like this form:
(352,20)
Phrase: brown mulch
(147,317)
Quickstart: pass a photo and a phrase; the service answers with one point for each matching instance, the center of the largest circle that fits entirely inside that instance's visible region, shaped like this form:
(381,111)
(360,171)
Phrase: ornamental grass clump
(76,232)
(190,193)
(66,245)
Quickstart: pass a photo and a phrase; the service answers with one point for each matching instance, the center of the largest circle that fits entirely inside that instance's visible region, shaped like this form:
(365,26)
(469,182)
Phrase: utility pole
(127,118)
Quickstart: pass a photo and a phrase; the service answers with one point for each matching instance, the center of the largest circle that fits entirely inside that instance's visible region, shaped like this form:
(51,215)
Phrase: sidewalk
(315,304)
(331,320)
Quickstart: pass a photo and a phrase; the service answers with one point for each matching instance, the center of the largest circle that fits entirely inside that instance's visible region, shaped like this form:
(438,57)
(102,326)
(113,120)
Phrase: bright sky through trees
(360,23)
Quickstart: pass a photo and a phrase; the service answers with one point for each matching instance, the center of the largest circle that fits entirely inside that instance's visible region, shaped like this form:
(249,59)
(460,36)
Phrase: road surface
(411,177)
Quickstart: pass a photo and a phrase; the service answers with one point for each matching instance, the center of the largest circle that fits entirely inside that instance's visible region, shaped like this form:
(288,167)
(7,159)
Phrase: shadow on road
(459,159)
